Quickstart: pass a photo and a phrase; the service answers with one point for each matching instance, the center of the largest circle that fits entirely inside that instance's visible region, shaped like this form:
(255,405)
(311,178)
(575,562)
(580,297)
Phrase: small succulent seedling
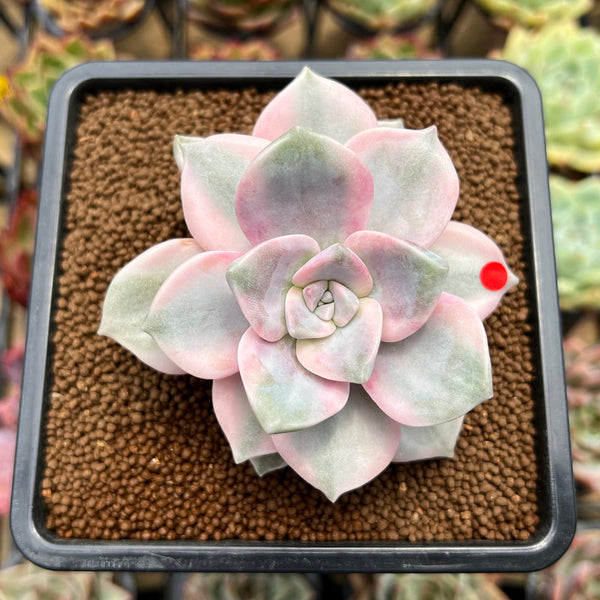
(326,291)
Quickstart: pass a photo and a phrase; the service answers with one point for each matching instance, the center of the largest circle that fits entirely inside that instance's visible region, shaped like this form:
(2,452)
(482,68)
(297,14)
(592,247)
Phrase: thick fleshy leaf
(267,463)
(304,183)
(261,278)
(422,443)
(340,264)
(346,303)
(416,185)
(179,141)
(283,394)
(195,318)
(212,169)
(407,280)
(314,292)
(301,322)
(317,103)
(325,311)
(236,418)
(437,374)
(478,272)
(349,353)
(131,293)
(345,451)
(394,123)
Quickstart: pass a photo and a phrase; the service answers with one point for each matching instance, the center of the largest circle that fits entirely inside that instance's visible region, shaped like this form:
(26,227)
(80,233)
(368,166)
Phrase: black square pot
(555,511)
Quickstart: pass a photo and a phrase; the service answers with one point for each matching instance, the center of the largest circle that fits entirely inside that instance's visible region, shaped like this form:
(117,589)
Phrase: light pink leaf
(301,322)
(195,318)
(267,463)
(236,418)
(179,141)
(422,443)
(313,292)
(407,280)
(345,451)
(349,353)
(340,264)
(304,183)
(212,169)
(261,278)
(346,303)
(478,271)
(416,185)
(131,293)
(283,394)
(437,374)
(317,103)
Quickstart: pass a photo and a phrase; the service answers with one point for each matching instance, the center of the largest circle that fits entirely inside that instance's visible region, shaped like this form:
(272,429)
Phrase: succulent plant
(25,580)
(16,248)
(582,369)
(25,103)
(376,15)
(89,15)
(576,221)
(535,13)
(386,46)
(576,576)
(331,286)
(235,50)
(437,586)
(250,586)
(242,16)
(563,58)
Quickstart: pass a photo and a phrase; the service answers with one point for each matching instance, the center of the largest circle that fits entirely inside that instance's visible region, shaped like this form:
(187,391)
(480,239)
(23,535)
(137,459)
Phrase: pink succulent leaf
(267,463)
(261,278)
(437,374)
(340,264)
(212,169)
(8,440)
(407,280)
(345,451)
(478,271)
(9,407)
(195,318)
(416,185)
(236,418)
(313,292)
(394,123)
(283,394)
(178,142)
(130,295)
(304,183)
(314,102)
(300,321)
(345,301)
(349,353)
(422,443)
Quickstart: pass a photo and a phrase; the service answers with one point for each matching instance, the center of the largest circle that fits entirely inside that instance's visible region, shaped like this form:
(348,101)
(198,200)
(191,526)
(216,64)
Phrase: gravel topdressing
(131,453)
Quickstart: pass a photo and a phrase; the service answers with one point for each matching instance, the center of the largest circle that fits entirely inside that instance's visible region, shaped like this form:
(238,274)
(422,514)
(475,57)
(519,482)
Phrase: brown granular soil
(131,453)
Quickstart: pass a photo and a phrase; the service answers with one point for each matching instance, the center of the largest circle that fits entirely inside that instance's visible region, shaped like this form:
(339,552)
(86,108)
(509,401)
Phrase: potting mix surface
(131,453)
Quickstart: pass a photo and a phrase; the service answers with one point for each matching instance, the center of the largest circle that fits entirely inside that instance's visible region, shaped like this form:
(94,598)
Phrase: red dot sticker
(493,276)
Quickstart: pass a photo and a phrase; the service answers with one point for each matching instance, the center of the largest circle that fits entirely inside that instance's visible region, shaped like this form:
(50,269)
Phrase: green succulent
(576,220)
(255,49)
(535,13)
(24,103)
(244,16)
(437,586)
(26,581)
(386,46)
(376,15)
(250,586)
(563,58)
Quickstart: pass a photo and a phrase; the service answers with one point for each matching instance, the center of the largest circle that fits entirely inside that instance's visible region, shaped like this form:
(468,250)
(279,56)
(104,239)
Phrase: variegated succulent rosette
(326,291)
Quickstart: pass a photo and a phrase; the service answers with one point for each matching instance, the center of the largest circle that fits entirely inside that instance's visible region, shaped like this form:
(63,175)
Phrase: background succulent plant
(235,50)
(252,16)
(30,82)
(535,13)
(563,58)
(386,46)
(325,233)
(89,15)
(576,220)
(375,15)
